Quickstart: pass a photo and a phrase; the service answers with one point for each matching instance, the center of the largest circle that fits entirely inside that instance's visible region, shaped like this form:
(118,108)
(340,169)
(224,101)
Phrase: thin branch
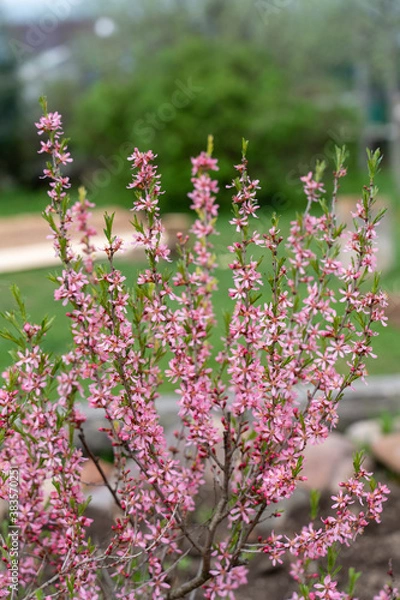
(96,461)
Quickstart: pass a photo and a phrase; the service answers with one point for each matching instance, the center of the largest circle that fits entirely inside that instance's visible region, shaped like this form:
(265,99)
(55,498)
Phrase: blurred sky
(30,9)
(22,8)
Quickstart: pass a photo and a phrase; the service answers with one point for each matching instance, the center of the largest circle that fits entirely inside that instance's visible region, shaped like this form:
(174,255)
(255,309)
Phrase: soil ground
(370,555)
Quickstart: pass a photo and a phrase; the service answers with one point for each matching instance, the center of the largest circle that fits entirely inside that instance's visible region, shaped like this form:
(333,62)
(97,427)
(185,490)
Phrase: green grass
(38,290)
(25,200)
(354,182)
(20,200)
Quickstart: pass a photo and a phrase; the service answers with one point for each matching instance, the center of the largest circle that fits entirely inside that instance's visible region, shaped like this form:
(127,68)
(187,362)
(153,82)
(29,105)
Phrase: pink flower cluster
(242,426)
(148,190)
(313,188)
(313,543)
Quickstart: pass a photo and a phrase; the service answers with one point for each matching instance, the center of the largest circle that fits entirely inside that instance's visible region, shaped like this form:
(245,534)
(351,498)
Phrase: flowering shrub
(240,419)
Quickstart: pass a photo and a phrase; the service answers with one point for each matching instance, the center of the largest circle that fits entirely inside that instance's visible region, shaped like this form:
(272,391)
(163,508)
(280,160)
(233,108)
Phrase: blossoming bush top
(248,435)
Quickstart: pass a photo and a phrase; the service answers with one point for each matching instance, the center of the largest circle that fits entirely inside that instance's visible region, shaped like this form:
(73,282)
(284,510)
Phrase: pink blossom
(240,423)
(312,188)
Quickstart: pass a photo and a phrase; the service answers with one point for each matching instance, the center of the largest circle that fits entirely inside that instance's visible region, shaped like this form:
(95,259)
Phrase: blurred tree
(284,73)
(355,46)
(9,125)
(198,86)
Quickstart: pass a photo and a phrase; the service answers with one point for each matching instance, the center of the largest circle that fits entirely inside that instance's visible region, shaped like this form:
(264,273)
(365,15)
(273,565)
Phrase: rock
(364,433)
(102,507)
(386,449)
(327,464)
(102,501)
(368,431)
(91,476)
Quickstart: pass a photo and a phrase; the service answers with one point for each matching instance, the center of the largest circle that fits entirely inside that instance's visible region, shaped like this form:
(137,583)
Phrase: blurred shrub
(9,114)
(178,95)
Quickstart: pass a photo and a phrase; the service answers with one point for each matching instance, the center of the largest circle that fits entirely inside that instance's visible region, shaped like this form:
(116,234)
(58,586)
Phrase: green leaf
(332,557)
(275,220)
(16,292)
(109,219)
(7,335)
(83,506)
(43,103)
(138,226)
(53,277)
(210,145)
(374,159)
(339,230)
(304,590)
(227,316)
(315,265)
(354,576)
(50,219)
(379,216)
(341,155)
(315,496)
(319,170)
(376,282)
(254,297)
(297,469)
(71,584)
(358,459)
(323,204)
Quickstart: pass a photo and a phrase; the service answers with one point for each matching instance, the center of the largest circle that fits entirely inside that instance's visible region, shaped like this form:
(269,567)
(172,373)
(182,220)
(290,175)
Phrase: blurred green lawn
(18,201)
(38,290)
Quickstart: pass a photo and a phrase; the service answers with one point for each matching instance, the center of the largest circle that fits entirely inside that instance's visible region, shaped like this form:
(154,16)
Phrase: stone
(327,464)
(102,503)
(368,431)
(91,476)
(92,485)
(364,433)
(386,450)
